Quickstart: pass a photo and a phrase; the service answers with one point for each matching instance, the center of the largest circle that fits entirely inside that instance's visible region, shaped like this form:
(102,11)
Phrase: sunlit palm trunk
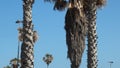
(75,27)
(92,34)
(27,57)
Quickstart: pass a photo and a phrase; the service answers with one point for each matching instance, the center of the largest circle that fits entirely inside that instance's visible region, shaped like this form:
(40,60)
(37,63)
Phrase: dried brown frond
(35,36)
(101,3)
(60,5)
(75,36)
(20,29)
(20,35)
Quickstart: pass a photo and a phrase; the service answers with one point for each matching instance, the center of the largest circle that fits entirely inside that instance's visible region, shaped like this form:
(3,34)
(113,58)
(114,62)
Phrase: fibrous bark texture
(90,10)
(27,56)
(75,27)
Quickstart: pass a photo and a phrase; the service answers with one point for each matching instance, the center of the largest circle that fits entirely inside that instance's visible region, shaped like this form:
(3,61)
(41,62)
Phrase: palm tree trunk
(92,34)
(75,28)
(27,57)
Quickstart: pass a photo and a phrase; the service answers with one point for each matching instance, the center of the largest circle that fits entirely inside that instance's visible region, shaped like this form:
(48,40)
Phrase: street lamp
(18,21)
(19,39)
(111,62)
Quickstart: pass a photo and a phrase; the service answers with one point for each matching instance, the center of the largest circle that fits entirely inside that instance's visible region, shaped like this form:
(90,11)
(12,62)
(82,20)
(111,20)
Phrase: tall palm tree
(27,36)
(48,59)
(75,26)
(90,8)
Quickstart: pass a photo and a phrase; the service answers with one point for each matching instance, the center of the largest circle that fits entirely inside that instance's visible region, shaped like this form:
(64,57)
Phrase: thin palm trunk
(92,45)
(75,26)
(27,57)
(92,34)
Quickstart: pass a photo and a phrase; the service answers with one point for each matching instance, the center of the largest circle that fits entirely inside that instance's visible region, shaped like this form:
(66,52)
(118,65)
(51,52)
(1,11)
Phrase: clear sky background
(50,26)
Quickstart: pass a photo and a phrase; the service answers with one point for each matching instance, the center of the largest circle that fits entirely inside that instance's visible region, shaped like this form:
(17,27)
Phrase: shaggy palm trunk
(27,57)
(92,34)
(75,27)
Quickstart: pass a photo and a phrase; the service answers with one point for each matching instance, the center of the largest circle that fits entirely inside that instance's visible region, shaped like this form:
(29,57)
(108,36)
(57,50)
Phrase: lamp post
(19,35)
(111,62)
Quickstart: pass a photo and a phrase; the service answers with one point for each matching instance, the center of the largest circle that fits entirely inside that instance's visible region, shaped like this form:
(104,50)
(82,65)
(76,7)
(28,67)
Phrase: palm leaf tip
(29,1)
(49,0)
(60,5)
(101,3)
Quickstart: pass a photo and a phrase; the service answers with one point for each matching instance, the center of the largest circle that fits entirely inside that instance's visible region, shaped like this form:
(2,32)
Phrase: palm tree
(15,62)
(48,59)
(90,8)
(27,36)
(75,26)
(7,66)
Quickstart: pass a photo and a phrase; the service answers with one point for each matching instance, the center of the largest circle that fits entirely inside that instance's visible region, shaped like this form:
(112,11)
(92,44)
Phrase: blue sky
(50,26)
